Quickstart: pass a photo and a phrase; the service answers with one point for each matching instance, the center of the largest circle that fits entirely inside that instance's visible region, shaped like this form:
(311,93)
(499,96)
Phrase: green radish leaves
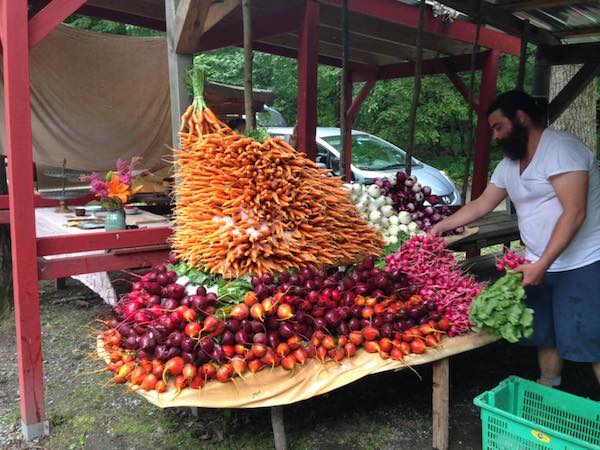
(501,311)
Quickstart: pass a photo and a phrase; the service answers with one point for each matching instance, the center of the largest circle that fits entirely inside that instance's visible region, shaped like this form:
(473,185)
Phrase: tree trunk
(5,254)
(580,117)
(248,58)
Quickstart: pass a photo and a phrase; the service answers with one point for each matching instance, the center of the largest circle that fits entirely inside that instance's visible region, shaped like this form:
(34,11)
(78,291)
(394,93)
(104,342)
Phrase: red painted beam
(403,14)
(4,217)
(18,141)
(483,132)
(40,202)
(362,95)
(72,243)
(307,79)
(429,67)
(51,269)
(274,24)
(49,17)
(351,114)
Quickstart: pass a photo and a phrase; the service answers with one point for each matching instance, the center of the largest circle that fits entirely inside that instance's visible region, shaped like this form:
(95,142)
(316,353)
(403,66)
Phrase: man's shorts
(567,313)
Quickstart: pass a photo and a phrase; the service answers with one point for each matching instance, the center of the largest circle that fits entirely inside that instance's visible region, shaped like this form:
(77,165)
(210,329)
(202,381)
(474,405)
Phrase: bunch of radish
(510,260)
(436,275)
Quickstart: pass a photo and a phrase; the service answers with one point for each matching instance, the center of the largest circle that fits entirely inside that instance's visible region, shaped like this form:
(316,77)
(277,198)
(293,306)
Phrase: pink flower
(99,187)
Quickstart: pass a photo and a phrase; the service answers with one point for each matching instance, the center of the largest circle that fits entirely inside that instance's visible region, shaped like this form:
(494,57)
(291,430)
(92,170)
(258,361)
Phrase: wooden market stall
(382,34)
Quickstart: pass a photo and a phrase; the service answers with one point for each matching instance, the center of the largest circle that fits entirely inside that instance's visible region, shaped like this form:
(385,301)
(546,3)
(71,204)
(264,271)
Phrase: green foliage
(500,310)
(108,26)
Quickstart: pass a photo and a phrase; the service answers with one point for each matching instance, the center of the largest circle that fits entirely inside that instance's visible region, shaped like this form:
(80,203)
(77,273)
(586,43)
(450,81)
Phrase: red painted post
(483,132)
(17,120)
(351,114)
(307,79)
(347,148)
(49,17)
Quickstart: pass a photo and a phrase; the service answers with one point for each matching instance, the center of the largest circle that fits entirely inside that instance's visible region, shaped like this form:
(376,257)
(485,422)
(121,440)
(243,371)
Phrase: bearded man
(552,178)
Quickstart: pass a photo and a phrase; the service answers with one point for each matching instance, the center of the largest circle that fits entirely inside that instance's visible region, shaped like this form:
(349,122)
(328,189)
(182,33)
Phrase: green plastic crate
(522,415)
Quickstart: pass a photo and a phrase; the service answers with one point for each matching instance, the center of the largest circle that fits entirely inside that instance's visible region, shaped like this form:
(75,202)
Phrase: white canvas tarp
(98,97)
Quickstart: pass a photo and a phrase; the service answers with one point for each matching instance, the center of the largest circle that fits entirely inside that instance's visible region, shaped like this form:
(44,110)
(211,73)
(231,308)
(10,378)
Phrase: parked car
(373,157)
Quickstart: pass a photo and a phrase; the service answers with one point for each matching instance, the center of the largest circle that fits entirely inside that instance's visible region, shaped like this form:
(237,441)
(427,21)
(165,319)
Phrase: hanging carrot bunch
(198,119)
(245,207)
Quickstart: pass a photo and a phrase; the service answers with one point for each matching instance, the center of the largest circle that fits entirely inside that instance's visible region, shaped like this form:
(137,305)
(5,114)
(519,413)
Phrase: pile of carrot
(246,207)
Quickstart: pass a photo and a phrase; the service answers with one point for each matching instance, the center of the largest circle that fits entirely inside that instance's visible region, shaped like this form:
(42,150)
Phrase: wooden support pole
(17,121)
(483,132)
(522,59)
(278,428)
(412,118)
(248,57)
(441,400)
(178,67)
(541,80)
(345,99)
(307,79)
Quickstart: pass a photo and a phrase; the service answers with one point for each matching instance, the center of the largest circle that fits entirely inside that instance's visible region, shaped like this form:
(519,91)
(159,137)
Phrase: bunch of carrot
(245,207)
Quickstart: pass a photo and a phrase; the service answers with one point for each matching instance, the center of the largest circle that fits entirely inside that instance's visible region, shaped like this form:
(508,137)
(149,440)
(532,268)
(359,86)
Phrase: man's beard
(514,146)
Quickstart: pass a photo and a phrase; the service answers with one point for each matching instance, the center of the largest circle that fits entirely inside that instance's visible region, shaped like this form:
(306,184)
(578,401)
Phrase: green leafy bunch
(229,292)
(501,310)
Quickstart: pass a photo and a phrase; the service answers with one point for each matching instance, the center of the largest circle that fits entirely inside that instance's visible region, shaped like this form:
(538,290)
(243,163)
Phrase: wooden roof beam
(399,13)
(121,17)
(289,52)
(141,8)
(435,66)
(194,18)
(228,35)
(335,51)
(571,53)
(578,32)
(503,20)
(385,33)
(528,5)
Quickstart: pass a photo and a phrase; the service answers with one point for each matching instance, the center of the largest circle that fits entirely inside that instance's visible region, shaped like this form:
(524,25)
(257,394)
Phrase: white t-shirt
(537,205)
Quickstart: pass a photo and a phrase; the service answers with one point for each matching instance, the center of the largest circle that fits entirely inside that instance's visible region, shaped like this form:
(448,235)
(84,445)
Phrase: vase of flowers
(113,191)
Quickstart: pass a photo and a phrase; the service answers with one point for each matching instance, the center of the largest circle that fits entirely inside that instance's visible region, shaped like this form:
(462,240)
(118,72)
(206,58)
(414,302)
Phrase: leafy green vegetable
(197,277)
(501,310)
(391,248)
(232,291)
(258,134)
(228,291)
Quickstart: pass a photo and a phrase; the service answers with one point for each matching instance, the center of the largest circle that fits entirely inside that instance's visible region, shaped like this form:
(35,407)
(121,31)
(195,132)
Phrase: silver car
(372,158)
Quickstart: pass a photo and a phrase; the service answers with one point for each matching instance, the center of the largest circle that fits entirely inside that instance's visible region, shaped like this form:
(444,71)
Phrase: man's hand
(435,230)
(533,274)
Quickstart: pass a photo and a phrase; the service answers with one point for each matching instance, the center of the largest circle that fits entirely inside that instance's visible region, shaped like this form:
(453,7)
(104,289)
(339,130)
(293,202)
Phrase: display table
(278,387)
(51,223)
(496,228)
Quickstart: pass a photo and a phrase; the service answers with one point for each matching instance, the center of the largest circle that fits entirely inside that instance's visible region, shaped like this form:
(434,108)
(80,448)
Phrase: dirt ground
(385,411)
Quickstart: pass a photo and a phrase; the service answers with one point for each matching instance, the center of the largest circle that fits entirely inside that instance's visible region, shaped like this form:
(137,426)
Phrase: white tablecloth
(50,223)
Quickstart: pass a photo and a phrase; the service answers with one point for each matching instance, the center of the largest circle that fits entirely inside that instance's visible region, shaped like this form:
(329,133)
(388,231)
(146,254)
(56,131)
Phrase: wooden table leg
(60,283)
(441,390)
(278,428)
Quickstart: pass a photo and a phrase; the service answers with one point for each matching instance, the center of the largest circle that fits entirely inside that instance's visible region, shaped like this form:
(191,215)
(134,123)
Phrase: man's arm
(571,189)
(486,202)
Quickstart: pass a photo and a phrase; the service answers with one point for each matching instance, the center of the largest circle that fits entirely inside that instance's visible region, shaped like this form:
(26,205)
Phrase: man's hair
(512,101)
